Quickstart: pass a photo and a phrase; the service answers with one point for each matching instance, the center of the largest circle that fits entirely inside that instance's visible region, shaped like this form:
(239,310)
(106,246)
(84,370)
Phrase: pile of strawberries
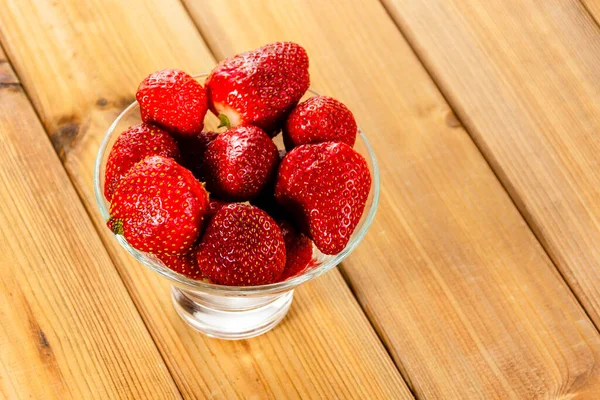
(230,207)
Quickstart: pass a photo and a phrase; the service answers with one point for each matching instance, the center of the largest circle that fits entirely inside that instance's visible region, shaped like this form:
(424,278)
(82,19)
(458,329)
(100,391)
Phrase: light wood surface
(464,297)
(80,63)
(69,328)
(533,107)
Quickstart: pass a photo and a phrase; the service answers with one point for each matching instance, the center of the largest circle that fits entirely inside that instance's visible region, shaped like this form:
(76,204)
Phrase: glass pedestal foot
(231,317)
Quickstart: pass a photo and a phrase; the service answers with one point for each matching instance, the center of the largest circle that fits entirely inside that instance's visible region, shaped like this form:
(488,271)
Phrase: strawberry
(298,251)
(259,87)
(242,246)
(325,186)
(240,162)
(133,145)
(159,207)
(192,152)
(173,100)
(319,119)
(184,264)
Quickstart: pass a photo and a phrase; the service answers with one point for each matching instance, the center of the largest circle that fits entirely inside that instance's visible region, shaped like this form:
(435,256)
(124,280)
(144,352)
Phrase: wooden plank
(465,298)
(532,104)
(69,328)
(81,63)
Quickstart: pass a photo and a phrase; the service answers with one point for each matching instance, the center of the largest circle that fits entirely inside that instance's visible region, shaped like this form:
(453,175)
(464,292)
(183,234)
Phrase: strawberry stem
(224,121)
(115,225)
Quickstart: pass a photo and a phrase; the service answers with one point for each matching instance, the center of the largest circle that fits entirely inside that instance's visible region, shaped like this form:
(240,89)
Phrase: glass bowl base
(230,318)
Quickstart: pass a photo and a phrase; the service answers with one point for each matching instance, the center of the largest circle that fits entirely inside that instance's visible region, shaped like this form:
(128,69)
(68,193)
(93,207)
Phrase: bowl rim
(182,281)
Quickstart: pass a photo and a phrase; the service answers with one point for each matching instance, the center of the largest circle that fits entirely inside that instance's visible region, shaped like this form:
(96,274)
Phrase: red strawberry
(184,264)
(133,145)
(174,100)
(325,186)
(159,207)
(192,152)
(319,119)
(240,162)
(242,246)
(259,87)
(298,251)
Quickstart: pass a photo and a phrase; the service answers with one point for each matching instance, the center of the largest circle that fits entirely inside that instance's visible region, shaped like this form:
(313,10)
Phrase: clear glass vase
(232,312)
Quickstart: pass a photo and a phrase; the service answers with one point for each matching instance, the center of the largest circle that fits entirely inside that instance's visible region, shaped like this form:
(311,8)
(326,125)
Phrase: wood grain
(81,67)
(465,298)
(533,107)
(69,328)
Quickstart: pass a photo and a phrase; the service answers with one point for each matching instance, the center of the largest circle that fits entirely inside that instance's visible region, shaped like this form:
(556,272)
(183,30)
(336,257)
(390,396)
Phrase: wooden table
(479,279)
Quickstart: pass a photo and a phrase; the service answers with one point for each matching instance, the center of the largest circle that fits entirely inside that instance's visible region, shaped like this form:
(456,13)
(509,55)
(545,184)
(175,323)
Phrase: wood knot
(65,135)
(452,121)
(43,341)
(101,102)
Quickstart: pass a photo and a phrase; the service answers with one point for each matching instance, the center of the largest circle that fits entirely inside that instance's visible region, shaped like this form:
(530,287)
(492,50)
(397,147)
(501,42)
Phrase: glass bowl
(233,312)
